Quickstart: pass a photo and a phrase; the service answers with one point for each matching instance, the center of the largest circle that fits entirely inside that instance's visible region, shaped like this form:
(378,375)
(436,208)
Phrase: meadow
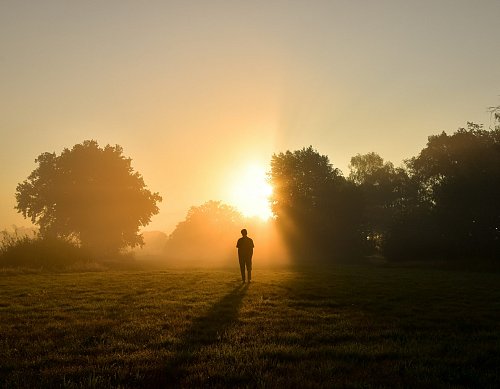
(333,327)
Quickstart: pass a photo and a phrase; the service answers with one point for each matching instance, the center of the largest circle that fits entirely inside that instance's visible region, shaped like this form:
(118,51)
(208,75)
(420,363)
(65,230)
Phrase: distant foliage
(88,194)
(36,252)
(369,169)
(209,232)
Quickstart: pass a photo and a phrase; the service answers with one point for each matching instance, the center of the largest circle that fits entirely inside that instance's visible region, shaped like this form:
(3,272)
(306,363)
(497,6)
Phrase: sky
(199,92)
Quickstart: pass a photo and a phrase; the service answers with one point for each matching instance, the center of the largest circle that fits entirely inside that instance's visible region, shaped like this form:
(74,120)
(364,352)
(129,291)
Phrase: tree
(315,207)
(368,168)
(459,177)
(388,200)
(209,232)
(89,194)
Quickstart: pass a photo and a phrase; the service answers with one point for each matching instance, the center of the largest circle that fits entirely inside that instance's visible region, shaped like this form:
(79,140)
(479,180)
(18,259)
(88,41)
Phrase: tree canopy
(89,194)
(441,204)
(313,203)
(459,180)
(381,188)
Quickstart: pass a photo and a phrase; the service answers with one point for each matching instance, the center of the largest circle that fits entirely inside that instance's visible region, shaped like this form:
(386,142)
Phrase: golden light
(250,192)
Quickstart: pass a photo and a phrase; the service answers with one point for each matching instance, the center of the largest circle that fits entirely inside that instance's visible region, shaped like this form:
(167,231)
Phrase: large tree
(459,177)
(89,194)
(316,208)
(392,215)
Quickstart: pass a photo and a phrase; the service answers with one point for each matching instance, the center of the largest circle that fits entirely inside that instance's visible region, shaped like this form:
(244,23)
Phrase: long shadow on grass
(204,331)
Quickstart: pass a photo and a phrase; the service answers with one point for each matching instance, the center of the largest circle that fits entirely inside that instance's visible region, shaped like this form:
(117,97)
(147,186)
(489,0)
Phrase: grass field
(346,326)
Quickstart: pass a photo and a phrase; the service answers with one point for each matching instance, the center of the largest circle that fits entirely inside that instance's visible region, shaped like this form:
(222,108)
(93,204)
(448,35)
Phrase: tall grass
(32,251)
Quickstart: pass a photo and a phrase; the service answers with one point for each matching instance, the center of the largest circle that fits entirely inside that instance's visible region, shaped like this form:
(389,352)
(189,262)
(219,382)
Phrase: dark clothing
(245,247)
(248,263)
(245,251)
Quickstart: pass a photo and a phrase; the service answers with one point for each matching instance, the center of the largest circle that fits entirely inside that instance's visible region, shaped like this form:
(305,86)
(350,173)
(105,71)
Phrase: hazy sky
(195,91)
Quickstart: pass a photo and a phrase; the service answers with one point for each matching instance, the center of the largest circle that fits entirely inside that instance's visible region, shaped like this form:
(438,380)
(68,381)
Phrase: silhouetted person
(245,251)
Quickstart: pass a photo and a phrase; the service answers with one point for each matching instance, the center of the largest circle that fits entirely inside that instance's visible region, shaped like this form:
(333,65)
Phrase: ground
(338,326)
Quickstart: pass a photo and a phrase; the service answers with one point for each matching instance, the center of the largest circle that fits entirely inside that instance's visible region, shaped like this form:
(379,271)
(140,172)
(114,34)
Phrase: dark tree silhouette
(315,207)
(443,204)
(393,219)
(378,183)
(459,177)
(89,194)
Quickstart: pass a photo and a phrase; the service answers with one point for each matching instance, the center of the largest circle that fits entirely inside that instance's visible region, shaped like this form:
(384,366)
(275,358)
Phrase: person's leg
(242,269)
(249,268)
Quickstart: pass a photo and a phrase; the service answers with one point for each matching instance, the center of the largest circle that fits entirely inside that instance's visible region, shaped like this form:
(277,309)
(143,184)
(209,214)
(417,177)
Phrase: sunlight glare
(251,191)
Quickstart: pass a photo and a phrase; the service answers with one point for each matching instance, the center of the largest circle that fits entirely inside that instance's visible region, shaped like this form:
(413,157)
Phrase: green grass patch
(355,327)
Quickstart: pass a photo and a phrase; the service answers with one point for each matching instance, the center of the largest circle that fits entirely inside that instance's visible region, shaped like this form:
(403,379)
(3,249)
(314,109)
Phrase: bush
(21,250)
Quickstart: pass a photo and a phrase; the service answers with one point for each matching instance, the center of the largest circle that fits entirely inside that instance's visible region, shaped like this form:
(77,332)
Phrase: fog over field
(197,93)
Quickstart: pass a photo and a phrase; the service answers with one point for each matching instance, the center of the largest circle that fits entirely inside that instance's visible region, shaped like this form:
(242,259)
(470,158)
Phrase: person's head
(244,232)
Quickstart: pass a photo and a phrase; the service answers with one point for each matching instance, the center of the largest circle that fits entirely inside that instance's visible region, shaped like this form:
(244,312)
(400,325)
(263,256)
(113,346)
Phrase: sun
(250,192)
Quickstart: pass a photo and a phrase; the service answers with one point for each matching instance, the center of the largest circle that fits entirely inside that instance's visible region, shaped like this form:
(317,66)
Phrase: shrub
(22,250)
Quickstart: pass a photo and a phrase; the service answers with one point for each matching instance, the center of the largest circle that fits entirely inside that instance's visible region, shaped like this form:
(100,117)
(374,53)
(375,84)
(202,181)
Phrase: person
(245,252)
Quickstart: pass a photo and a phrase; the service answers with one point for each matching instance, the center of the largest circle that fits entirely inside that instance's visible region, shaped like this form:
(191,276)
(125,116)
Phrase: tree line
(441,204)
